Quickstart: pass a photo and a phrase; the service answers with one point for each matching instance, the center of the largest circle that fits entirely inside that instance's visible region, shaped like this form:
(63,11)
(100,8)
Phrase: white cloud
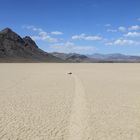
(70,47)
(123,42)
(45,38)
(134,28)
(107,25)
(31,27)
(41,34)
(56,33)
(66,44)
(122,29)
(111,30)
(86,37)
(132,34)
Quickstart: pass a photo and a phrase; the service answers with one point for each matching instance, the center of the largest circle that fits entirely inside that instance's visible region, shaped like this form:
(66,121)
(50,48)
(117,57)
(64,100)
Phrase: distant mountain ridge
(115,57)
(13,48)
(97,58)
(72,57)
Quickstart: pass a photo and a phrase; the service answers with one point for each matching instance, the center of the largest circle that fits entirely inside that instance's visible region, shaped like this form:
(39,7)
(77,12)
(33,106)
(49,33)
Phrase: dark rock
(29,43)
(11,44)
(13,47)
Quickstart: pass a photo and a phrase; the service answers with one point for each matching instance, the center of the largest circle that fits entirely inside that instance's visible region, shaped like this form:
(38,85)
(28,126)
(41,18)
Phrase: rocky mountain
(14,48)
(97,58)
(77,58)
(73,57)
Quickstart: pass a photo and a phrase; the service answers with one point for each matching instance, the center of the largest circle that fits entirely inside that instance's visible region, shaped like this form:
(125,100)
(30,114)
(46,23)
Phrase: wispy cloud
(57,33)
(122,29)
(44,38)
(43,35)
(119,29)
(87,37)
(123,42)
(134,28)
(132,34)
(31,27)
(107,25)
(111,30)
(70,47)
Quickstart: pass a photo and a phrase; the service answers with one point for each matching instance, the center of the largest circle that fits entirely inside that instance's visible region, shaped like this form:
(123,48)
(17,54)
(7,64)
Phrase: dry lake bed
(42,102)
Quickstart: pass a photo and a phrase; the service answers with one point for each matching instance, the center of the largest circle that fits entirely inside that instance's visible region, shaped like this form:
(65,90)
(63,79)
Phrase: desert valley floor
(42,102)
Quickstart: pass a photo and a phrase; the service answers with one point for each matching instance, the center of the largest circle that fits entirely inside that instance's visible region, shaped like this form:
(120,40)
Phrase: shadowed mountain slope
(13,48)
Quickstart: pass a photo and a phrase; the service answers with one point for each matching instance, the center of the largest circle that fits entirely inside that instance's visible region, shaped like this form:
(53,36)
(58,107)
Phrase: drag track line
(79,116)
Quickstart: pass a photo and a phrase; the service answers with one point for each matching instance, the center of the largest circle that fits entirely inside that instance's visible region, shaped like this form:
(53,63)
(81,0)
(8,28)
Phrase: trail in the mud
(79,117)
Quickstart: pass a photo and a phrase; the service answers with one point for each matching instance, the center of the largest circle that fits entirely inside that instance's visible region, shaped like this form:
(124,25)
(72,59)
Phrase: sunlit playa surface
(45,102)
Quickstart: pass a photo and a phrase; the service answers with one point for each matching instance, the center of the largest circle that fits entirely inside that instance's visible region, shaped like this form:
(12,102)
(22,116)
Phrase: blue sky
(81,26)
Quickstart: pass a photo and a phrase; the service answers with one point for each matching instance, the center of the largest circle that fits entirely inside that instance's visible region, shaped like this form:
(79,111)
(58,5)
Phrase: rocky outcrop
(15,48)
(11,44)
(29,43)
